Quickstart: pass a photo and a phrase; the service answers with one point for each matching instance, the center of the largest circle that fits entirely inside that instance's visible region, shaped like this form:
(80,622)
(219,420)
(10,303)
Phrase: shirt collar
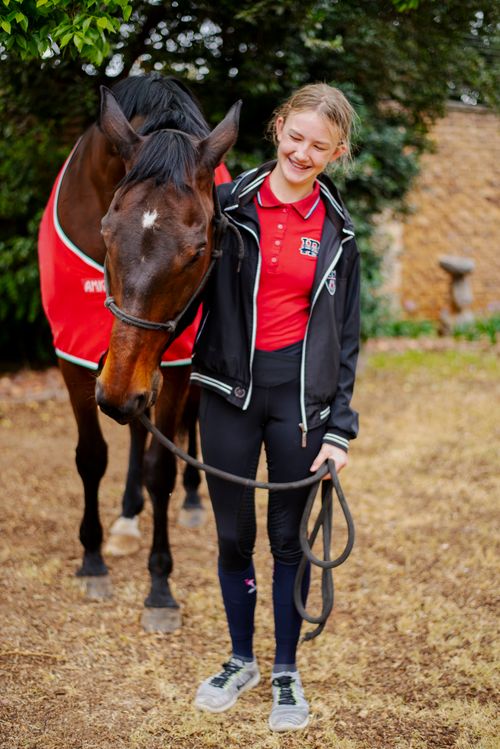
(305,207)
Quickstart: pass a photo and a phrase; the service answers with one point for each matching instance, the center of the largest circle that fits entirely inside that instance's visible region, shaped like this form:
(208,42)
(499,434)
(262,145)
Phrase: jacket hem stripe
(204,380)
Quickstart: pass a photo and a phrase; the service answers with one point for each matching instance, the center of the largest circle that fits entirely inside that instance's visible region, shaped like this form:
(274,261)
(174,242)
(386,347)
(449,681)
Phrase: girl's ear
(280,121)
(339,151)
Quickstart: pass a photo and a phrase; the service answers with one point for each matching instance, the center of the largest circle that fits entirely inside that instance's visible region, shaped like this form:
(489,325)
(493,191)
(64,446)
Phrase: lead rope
(324,520)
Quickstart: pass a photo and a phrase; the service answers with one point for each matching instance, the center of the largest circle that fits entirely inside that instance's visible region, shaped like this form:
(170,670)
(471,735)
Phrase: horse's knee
(91,459)
(159,473)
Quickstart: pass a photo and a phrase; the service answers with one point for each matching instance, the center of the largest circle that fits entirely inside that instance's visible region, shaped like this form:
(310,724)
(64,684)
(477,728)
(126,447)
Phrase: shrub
(484,328)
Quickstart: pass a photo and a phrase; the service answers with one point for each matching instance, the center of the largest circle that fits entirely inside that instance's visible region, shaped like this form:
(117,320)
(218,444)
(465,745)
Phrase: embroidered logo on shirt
(331,282)
(309,247)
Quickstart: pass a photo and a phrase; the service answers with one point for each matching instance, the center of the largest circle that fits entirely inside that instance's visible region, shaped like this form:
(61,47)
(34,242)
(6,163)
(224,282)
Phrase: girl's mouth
(299,167)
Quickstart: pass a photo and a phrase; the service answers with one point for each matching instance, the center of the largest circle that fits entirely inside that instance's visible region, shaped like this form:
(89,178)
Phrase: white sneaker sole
(222,708)
(289,728)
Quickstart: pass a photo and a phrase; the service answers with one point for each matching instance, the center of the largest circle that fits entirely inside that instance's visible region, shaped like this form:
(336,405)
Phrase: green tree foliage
(397,61)
(33,30)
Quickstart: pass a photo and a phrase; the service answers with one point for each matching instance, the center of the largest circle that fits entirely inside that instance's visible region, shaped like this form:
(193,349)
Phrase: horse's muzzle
(124,412)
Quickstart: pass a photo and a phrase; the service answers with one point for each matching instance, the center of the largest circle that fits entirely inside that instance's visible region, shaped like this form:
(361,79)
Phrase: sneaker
(220,692)
(290,708)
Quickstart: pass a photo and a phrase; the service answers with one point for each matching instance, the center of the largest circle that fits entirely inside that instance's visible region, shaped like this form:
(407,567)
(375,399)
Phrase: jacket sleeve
(342,423)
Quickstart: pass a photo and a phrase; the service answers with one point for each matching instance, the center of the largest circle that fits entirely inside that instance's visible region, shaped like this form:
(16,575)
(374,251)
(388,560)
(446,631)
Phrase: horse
(137,190)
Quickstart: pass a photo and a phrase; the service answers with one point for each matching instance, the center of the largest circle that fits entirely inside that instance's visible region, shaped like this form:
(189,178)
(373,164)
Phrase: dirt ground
(409,659)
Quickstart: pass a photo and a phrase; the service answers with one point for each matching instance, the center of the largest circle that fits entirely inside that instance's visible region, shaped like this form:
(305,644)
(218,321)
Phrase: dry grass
(408,660)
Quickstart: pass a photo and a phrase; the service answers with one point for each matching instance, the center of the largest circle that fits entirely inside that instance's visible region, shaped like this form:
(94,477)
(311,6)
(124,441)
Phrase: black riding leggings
(231,439)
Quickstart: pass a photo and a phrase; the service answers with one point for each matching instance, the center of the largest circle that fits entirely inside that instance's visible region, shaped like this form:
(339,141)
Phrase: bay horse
(137,190)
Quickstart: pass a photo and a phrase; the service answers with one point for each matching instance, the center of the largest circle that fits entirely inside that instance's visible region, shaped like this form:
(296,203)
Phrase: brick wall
(455,210)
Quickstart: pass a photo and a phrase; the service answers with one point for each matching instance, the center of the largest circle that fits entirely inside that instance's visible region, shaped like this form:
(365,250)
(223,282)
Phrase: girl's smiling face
(307,143)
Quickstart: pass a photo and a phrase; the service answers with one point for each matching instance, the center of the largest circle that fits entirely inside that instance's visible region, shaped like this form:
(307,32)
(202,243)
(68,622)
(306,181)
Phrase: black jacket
(225,344)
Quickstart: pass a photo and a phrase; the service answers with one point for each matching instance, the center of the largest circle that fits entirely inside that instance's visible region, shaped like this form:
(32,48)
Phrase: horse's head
(158,234)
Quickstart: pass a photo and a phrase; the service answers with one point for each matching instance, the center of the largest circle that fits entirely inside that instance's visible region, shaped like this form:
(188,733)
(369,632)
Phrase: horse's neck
(87,190)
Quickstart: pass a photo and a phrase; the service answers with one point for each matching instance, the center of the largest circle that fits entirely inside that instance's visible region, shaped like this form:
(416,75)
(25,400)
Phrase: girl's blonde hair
(328,101)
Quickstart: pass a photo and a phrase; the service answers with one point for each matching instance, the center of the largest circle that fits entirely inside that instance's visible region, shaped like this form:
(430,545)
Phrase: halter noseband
(220,224)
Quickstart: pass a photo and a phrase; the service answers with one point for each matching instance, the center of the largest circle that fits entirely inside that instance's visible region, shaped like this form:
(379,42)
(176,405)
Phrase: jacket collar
(248,184)
(305,207)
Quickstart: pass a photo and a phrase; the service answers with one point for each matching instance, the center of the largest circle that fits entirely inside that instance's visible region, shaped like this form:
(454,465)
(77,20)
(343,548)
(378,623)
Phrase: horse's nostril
(141,401)
(121,412)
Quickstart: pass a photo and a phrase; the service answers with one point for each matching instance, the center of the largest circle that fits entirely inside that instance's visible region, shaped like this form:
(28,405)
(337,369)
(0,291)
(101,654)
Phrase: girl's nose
(301,153)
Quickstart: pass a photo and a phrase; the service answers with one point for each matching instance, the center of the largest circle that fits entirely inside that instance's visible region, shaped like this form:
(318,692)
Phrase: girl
(276,358)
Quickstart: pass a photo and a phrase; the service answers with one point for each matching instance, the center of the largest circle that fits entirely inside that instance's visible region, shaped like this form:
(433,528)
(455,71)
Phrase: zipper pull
(304,435)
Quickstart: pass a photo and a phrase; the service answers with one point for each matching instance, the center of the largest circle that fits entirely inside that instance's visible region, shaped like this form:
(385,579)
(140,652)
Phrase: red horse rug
(73,294)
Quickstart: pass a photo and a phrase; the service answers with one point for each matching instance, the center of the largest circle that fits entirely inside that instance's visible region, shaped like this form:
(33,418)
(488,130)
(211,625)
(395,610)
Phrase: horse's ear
(116,127)
(221,139)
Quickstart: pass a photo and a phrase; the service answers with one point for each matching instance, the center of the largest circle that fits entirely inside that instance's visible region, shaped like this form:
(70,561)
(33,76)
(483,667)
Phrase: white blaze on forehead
(149,218)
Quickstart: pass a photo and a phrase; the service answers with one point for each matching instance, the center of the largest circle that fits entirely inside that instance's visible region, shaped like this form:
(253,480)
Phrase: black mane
(167,105)
(167,157)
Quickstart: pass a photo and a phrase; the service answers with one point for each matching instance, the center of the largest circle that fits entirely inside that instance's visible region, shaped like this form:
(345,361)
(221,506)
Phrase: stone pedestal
(461,295)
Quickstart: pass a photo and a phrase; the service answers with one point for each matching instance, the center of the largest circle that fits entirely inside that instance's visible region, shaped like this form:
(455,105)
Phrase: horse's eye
(200,251)
(194,259)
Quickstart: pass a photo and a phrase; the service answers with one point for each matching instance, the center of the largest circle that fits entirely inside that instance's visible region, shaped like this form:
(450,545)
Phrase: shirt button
(277,243)
(274,259)
(239,392)
(280,226)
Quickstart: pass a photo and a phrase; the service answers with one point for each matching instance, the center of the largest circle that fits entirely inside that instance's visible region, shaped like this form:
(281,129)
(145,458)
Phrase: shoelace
(284,684)
(221,679)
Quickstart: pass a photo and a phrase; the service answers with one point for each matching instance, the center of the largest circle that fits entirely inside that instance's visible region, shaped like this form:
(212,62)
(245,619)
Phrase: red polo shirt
(290,235)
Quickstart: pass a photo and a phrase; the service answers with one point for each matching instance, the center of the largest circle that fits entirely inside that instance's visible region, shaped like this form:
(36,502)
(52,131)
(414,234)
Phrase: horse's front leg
(162,612)
(124,535)
(91,462)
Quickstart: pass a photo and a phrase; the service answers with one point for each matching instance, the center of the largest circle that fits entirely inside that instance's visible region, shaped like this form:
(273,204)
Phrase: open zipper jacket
(225,345)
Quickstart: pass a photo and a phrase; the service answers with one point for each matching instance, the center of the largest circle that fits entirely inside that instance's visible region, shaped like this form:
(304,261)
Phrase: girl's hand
(339,457)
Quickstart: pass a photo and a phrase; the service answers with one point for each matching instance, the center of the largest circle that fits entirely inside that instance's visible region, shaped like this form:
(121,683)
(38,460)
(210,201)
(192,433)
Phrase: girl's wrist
(336,440)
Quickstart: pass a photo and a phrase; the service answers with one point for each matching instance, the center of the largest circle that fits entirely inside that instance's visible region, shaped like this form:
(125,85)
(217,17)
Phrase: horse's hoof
(122,546)
(162,620)
(192,517)
(124,537)
(97,588)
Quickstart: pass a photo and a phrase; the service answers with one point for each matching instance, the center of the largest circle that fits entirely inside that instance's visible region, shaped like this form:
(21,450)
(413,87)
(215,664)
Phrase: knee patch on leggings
(231,557)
